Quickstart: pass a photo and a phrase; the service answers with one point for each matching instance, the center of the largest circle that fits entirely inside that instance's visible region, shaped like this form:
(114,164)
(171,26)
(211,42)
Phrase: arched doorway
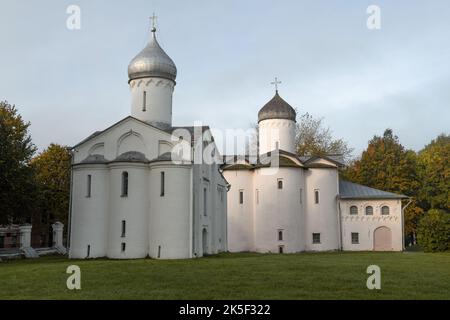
(382,239)
(205,241)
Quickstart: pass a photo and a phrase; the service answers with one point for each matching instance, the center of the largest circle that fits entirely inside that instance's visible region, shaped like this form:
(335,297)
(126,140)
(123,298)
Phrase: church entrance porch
(382,239)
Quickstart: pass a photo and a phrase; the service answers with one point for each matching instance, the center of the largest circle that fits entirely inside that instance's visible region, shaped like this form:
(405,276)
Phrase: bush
(433,231)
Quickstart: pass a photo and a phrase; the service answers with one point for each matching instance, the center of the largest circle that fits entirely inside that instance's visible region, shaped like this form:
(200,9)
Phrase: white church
(143,188)
(136,191)
(300,203)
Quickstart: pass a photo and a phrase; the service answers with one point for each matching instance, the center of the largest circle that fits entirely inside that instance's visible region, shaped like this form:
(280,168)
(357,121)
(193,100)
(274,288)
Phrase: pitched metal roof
(350,190)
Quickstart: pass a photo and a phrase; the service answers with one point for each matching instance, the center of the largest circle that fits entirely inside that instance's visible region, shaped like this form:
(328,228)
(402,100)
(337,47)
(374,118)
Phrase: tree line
(31,184)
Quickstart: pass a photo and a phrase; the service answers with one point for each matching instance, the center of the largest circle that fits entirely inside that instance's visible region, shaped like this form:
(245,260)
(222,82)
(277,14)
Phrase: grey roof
(276,108)
(190,129)
(94,158)
(231,162)
(96,133)
(337,159)
(350,190)
(169,156)
(152,61)
(131,156)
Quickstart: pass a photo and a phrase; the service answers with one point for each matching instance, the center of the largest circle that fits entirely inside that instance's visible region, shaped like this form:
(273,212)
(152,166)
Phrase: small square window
(316,238)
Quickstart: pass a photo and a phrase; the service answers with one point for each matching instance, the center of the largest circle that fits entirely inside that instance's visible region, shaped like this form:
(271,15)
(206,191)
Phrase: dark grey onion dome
(276,108)
(152,61)
(131,156)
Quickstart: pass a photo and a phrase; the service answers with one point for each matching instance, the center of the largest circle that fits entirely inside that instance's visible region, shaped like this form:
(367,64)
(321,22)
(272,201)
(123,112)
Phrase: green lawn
(409,275)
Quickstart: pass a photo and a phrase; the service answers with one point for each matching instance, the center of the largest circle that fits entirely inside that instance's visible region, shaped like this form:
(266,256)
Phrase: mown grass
(234,276)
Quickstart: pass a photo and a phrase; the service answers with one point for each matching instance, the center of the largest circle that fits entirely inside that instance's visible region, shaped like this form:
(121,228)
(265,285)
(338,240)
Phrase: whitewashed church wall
(218,210)
(273,131)
(169,223)
(158,100)
(89,221)
(240,215)
(132,208)
(365,225)
(322,217)
(279,210)
(209,219)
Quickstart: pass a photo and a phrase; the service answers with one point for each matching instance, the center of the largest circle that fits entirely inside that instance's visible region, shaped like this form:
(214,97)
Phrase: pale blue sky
(71,83)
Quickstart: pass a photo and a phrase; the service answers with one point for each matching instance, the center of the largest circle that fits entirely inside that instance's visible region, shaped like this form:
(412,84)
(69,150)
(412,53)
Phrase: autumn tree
(16,176)
(314,138)
(434,174)
(52,177)
(434,231)
(387,165)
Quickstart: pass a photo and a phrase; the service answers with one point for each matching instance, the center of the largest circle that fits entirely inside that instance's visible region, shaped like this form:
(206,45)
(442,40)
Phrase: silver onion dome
(276,108)
(152,61)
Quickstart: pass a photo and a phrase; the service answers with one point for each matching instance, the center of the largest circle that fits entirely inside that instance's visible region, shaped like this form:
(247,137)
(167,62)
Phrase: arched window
(89,186)
(280,235)
(124,184)
(144,102)
(163,184)
(316,196)
(205,202)
(124,228)
(280,184)
(353,210)
(369,210)
(385,210)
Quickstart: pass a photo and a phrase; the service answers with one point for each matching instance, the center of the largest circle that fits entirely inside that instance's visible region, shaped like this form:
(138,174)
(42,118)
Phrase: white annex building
(129,197)
(283,203)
